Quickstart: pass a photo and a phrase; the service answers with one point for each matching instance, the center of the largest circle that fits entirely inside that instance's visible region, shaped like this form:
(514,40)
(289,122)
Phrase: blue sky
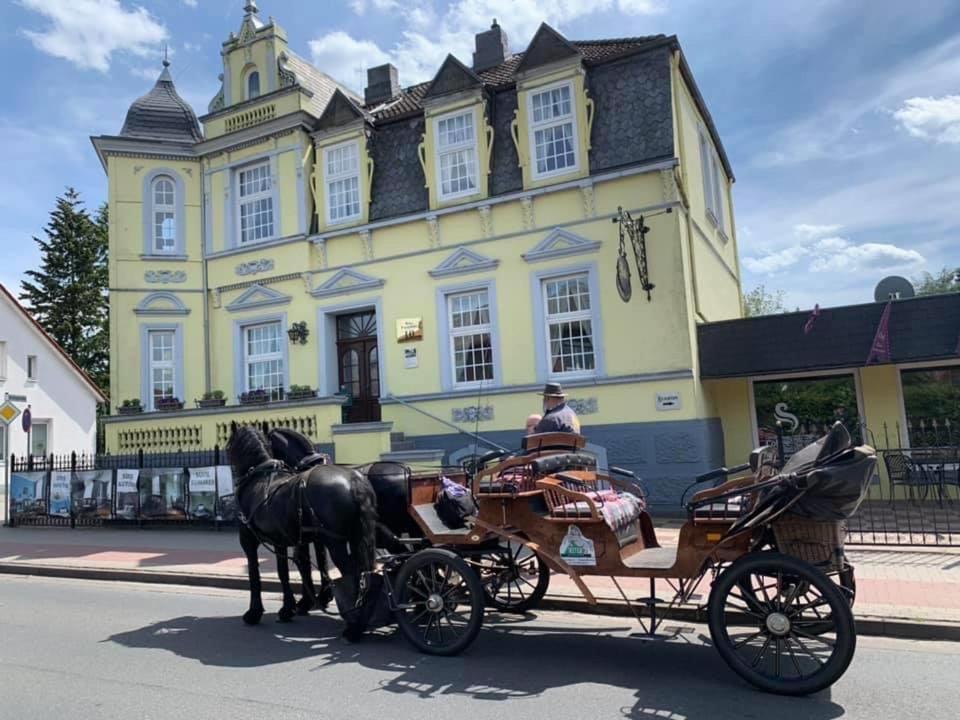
(841,117)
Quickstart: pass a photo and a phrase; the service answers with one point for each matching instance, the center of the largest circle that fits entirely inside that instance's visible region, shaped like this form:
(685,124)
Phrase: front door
(358,359)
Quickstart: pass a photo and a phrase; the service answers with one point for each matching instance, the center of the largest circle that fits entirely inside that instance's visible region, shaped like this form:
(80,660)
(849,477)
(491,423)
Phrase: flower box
(130,409)
(255,397)
(301,393)
(168,404)
(211,402)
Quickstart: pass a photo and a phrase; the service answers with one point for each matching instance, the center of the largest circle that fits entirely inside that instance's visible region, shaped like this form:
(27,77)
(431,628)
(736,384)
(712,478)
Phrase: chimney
(492,48)
(383,83)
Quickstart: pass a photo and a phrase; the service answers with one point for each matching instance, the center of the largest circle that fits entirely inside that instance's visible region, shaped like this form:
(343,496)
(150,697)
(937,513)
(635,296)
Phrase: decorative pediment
(462,261)
(257,296)
(161,303)
(560,243)
(346,281)
(340,110)
(453,76)
(548,46)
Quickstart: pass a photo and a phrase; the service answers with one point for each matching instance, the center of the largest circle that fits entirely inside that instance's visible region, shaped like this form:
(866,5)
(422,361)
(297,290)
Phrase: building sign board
(668,401)
(409,329)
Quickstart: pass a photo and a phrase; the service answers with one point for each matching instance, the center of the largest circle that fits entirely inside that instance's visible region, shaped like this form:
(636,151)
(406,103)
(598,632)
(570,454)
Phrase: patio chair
(906,471)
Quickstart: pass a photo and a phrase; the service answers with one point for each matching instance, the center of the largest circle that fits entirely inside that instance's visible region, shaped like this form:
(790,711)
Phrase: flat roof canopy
(921,329)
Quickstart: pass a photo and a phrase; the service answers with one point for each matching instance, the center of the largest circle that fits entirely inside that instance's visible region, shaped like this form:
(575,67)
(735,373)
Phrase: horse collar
(271,466)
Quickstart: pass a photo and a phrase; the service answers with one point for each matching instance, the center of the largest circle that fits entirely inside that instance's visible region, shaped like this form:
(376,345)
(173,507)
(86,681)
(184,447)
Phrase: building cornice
(247,137)
(107,145)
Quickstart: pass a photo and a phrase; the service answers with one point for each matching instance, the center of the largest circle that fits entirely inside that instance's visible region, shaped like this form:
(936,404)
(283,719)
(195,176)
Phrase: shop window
(806,408)
(931,404)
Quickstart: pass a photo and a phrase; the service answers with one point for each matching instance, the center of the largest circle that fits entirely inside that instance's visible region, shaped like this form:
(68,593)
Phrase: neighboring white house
(62,399)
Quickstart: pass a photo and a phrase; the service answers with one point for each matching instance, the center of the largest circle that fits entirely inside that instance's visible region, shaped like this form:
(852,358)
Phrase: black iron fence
(194,487)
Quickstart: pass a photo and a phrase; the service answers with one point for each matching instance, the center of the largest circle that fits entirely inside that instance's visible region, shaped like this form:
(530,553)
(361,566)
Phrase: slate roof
(921,329)
(318,82)
(162,114)
(410,100)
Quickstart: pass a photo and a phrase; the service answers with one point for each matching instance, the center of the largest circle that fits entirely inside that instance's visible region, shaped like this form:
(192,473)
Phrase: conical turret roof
(162,114)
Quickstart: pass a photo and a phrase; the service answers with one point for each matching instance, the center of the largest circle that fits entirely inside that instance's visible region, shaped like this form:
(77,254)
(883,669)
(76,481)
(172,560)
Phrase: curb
(870,626)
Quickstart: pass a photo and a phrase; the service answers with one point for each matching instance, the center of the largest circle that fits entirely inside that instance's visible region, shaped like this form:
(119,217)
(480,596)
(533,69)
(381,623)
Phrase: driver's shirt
(562,418)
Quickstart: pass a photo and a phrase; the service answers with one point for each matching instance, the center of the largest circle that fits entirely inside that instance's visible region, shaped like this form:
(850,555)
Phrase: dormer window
(164,215)
(456,155)
(553,130)
(253,85)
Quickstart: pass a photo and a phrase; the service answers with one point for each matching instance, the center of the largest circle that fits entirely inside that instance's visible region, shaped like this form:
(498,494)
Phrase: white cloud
(89,32)
(427,35)
(931,118)
(833,254)
(190,3)
(812,232)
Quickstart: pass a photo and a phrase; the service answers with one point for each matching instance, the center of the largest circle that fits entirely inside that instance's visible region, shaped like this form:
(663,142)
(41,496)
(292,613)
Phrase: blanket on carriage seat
(619,510)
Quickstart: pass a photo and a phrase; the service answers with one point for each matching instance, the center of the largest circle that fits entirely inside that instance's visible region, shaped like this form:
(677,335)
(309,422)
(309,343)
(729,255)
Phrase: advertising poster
(93,493)
(162,493)
(203,492)
(127,490)
(60,493)
(227,505)
(26,493)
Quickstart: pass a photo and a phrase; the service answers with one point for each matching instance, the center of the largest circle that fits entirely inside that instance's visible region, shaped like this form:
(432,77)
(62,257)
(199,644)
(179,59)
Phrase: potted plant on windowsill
(168,404)
(301,392)
(255,397)
(212,399)
(130,407)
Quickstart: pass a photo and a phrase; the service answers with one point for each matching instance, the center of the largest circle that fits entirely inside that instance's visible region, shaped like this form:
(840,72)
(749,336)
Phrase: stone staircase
(406,451)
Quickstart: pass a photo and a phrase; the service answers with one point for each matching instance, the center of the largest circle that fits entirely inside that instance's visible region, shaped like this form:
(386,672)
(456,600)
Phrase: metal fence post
(73,470)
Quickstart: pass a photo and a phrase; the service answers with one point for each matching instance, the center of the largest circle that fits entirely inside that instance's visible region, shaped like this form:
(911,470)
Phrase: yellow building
(442,248)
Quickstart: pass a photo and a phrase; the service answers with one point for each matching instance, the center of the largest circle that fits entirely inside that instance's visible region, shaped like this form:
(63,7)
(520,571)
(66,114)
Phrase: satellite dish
(893,287)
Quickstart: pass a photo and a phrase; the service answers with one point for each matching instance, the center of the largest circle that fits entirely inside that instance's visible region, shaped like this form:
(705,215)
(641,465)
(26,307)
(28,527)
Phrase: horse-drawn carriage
(771,541)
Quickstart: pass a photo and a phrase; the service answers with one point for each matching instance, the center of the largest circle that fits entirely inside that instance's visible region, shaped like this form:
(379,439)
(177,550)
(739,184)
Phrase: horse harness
(276,468)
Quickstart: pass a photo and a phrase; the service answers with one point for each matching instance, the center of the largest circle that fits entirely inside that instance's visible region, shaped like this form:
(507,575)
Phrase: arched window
(253,85)
(164,215)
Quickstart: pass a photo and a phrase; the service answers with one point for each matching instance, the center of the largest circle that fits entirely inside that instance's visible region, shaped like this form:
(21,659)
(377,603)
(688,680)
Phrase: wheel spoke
(814,638)
(747,639)
(806,650)
(760,654)
(776,658)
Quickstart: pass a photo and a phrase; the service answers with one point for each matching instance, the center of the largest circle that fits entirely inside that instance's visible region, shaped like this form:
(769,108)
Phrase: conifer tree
(67,294)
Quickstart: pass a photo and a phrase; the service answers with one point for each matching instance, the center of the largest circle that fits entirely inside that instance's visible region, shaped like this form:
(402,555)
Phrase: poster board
(202,487)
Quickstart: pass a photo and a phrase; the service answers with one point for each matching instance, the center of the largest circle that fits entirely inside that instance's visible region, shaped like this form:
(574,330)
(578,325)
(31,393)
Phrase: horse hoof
(324,598)
(305,605)
(252,617)
(352,634)
(285,615)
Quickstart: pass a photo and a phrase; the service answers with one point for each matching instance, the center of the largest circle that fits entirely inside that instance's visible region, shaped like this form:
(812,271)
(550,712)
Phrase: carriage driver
(557,415)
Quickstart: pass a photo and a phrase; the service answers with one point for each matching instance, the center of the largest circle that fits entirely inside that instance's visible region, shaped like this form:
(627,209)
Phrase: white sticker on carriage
(575,549)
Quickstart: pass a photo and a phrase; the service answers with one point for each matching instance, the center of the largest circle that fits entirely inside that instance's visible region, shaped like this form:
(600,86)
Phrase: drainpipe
(203,256)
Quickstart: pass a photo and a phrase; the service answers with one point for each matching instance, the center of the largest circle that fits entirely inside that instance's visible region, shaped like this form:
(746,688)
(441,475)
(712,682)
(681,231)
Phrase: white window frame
(249,359)
(32,368)
(166,208)
(153,364)
(713,191)
(267,194)
(342,176)
(246,84)
(471,147)
(45,424)
(534,126)
(483,328)
(578,315)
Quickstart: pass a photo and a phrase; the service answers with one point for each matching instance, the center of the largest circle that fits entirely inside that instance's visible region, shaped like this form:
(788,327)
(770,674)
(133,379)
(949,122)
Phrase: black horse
(333,505)
(387,479)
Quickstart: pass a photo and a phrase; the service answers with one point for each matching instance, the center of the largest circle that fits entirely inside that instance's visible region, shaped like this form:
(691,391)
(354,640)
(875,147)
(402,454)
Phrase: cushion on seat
(552,464)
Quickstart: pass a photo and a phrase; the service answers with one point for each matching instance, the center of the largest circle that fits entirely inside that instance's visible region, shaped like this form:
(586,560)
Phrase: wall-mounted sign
(668,401)
(409,329)
(410,358)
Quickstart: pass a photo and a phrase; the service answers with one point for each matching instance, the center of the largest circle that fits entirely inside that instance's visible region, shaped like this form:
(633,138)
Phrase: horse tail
(364,539)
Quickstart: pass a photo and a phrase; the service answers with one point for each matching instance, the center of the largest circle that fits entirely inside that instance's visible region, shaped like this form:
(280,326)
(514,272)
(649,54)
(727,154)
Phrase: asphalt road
(84,649)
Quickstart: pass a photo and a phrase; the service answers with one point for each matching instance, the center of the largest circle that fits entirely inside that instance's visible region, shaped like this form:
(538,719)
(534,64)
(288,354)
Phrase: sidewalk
(900,591)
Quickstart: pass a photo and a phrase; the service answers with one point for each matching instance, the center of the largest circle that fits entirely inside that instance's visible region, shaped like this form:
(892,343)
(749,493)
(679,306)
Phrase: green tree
(945,281)
(760,302)
(67,294)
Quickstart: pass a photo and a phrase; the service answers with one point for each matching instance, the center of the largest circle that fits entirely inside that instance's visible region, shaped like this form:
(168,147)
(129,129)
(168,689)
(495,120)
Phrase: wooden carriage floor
(658,558)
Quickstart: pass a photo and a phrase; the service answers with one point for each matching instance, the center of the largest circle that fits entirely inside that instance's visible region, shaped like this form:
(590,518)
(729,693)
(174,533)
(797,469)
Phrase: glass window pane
(931,400)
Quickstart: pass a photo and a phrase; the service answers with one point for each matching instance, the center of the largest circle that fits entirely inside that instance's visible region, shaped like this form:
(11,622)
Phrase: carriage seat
(621,511)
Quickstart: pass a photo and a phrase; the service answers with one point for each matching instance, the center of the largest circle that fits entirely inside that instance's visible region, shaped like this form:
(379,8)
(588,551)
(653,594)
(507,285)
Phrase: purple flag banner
(880,350)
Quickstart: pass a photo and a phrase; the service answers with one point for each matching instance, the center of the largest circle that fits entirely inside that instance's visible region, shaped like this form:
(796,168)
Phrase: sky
(841,118)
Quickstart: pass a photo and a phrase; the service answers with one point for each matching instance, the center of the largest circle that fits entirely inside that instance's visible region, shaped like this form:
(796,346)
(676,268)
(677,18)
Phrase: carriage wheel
(514,578)
(439,602)
(791,634)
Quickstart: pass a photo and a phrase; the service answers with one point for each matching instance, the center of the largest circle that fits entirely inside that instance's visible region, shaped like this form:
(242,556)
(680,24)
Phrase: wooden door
(358,360)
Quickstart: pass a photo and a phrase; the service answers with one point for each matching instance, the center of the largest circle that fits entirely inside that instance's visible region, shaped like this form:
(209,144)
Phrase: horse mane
(289,445)
(247,448)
